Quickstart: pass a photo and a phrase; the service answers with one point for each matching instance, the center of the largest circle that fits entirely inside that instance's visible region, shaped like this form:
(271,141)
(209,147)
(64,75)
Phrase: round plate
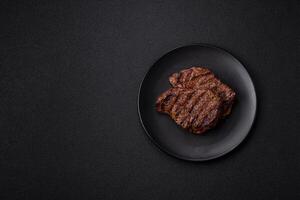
(176,141)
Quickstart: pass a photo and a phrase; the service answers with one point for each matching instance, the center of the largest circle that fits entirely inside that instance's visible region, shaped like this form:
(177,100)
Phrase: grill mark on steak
(199,82)
(198,113)
(193,78)
(209,107)
(176,99)
(176,107)
(182,112)
(182,105)
(195,101)
(208,116)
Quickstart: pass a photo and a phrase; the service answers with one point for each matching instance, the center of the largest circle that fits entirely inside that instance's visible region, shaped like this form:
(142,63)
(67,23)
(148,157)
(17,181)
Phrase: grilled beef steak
(202,78)
(195,110)
(197,100)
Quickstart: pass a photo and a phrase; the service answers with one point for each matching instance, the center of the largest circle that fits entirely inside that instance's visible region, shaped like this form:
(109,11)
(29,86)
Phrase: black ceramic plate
(174,140)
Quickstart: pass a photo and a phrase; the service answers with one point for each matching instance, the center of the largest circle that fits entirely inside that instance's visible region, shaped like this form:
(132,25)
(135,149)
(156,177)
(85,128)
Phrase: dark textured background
(69,77)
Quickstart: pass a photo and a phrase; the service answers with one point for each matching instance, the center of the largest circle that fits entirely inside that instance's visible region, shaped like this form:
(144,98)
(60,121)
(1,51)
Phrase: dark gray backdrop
(69,77)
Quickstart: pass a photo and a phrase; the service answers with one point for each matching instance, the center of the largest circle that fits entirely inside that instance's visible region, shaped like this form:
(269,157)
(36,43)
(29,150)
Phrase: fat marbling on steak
(195,110)
(203,78)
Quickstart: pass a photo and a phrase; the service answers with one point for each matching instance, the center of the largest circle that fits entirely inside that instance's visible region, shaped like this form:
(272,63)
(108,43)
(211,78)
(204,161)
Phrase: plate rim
(165,150)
